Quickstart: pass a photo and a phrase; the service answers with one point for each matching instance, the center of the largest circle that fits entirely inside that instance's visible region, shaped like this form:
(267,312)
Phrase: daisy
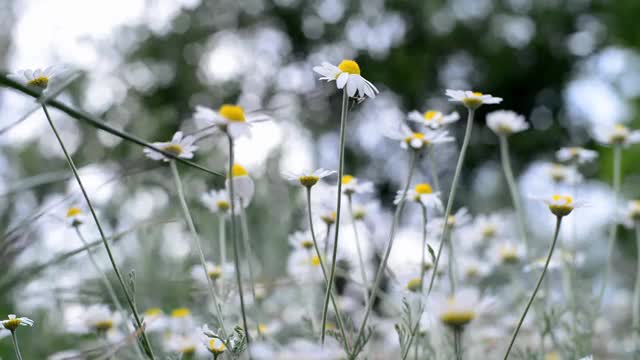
(504,122)
(455,221)
(181,320)
(433,119)
(347,73)
(214,271)
(304,267)
(179,146)
(13,322)
(185,345)
(472,99)
(307,178)
(491,226)
(460,309)
(75,216)
(230,119)
(617,135)
(562,174)
(417,140)
(217,201)
(155,320)
(352,185)
(37,78)
(243,185)
(576,154)
(507,252)
(215,346)
(100,319)
(632,214)
(302,240)
(561,205)
(423,194)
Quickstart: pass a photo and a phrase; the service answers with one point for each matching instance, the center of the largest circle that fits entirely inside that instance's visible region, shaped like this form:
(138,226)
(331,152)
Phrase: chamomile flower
(217,201)
(576,154)
(417,140)
(181,320)
(184,344)
(505,122)
(304,266)
(302,240)
(459,310)
(230,119)
(38,78)
(562,174)
(472,99)
(214,272)
(539,263)
(352,185)
(632,214)
(507,252)
(307,178)
(155,320)
(13,322)
(243,185)
(75,216)
(100,319)
(423,194)
(179,146)
(215,346)
(617,135)
(561,205)
(491,226)
(347,76)
(433,119)
(267,329)
(455,221)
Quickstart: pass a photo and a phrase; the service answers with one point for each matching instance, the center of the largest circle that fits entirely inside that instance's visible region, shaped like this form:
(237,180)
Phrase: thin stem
(613,230)
(433,167)
(130,301)
(343,333)
(636,297)
(332,273)
(326,240)
(513,188)
(535,291)
(196,238)
(234,240)
(452,195)
(248,251)
(14,339)
(451,265)
(363,272)
(385,258)
(457,342)
(222,239)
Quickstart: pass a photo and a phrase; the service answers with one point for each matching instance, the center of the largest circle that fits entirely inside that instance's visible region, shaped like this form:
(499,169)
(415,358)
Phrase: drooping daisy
(632,214)
(243,185)
(13,322)
(617,135)
(37,78)
(472,99)
(576,154)
(417,140)
(230,119)
(352,185)
(75,216)
(179,146)
(561,205)
(423,194)
(217,201)
(347,76)
(307,178)
(505,122)
(433,119)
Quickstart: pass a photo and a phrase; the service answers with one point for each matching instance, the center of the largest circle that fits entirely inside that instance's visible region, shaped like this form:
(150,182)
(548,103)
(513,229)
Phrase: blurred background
(569,66)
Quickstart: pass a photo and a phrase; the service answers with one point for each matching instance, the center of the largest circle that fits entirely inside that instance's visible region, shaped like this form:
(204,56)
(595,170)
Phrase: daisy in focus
(561,205)
(180,146)
(617,135)
(472,99)
(417,140)
(13,322)
(433,119)
(347,76)
(576,154)
(505,122)
(243,185)
(307,178)
(75,216)
(422,194)
(230,119)
(37,78)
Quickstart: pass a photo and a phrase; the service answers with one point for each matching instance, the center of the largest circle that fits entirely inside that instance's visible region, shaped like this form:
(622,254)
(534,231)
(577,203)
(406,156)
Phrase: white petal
(342,80)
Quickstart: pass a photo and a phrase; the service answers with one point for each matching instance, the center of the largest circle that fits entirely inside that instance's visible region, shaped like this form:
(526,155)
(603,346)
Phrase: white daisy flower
(182,147)
(214,272)
(491,226)
(539,263)
(472,99)
(347,76)
(562,174)
(433,119)
(243,185)
(471,267)
(184,344)
(617,135)
(75,216)
(417,140)
(352,185)
(505,122)
(507,252)
(561,205)
(155,320)
(99,318)
(217,201)
(455,221)
(460,309)
(181,320)
(266,329)
(37,78)
(576,154)
(422,193)
(304,267)
(632,214)
(307,178)
(215,346)
(13,322)
(302,240)
(230,119)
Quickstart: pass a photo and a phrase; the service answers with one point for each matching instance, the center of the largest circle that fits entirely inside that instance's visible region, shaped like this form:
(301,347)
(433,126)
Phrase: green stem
(234,240)
(535,291)
(636,297)
(613,230)
(14,339)
(451,265)
(385,258)
(222,239)
(433,167)
(513,188)
(452,195)
(341,327)
(130,301)
(248,251)
(332,273)
(196,238)
(457,342)
(363,272)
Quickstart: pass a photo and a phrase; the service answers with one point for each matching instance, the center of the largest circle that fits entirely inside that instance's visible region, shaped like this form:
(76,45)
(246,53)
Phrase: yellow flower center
(41,82)
(423,189)
(562,205)
(566,199)
(308,180)
(188,349)
(153,312)
(509,255)
(315,260)
(180,313)
(359,213)
(307,244)
(232,113)
(474,101)
(329,218)
(238,170)
(451,220)
(472,271)
(457,318)
(634,212)
(216,346)
(552,356)
(11,324)
(489,231)
(174,149)
(431,115)
(349,66)
(263,329)
(477,93)
(418,136)
(215,273)
(73,211)
(414,285)
(222,205)
(103,326)
(347,179)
